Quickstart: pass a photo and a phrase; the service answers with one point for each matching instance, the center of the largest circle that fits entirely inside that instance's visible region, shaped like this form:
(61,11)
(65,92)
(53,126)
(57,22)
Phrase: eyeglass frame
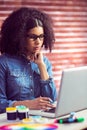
(34,37)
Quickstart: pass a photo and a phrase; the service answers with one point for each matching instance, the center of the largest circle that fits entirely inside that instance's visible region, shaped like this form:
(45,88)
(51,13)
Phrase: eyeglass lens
(34,37)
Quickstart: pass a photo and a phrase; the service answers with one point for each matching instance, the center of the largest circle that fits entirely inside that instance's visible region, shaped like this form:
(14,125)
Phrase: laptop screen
(73,91)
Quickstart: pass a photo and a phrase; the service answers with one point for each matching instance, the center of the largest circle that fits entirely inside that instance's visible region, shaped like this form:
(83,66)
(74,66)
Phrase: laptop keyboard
(51,110)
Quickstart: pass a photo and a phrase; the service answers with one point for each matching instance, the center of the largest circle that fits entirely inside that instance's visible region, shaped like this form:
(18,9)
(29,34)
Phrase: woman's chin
(36,51)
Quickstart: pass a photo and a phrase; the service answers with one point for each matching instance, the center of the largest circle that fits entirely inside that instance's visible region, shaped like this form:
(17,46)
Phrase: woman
(25,74)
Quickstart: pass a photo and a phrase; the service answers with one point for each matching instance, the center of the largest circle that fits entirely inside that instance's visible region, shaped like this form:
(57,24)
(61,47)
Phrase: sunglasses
(33,37)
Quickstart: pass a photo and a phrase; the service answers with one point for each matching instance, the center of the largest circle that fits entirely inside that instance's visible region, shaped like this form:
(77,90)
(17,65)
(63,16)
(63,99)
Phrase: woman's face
(35,38)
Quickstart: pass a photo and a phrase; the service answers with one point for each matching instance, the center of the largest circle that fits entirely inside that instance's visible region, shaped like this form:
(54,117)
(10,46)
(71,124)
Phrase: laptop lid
(73,91)
(72,95)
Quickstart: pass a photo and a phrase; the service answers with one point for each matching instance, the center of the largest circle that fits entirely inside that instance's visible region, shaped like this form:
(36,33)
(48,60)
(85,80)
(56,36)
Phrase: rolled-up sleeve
(48,86)
(4,102)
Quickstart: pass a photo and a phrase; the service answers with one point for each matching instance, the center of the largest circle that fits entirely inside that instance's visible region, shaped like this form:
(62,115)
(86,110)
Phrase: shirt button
(31,89)
(30,76)
(29,63)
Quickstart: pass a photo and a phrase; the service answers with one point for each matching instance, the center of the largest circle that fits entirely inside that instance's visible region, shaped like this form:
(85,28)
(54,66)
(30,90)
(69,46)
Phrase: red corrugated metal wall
(70,27)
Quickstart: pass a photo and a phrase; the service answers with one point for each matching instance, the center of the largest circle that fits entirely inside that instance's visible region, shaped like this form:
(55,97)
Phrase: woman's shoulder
(46,60)
(2,57)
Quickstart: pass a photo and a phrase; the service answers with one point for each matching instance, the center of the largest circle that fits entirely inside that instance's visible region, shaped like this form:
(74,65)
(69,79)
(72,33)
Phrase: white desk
(72,126)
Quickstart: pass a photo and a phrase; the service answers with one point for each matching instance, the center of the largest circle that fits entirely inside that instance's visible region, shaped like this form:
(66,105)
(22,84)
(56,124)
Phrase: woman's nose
(38,41)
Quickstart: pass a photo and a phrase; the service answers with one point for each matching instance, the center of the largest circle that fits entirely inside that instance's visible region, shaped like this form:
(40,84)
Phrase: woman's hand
(43,103)
(38,58)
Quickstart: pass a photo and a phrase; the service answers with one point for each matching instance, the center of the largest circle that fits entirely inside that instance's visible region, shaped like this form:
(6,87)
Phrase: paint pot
(28,120)
(22,113)
(42,120)
(11,113)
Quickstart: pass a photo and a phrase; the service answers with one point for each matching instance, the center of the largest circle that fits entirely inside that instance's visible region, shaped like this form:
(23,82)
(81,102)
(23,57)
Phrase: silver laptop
(72,95)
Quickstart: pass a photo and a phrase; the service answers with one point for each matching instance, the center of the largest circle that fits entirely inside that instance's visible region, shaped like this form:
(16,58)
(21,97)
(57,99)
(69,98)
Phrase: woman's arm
(37,103)
(47,83)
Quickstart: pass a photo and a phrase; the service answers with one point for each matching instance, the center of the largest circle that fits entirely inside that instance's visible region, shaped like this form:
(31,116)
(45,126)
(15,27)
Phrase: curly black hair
(14,30)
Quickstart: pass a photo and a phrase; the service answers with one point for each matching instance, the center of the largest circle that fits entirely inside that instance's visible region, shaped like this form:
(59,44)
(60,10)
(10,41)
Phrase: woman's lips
(37,48)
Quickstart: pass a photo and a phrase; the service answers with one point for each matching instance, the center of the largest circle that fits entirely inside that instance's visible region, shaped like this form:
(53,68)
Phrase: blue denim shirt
(20,80)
